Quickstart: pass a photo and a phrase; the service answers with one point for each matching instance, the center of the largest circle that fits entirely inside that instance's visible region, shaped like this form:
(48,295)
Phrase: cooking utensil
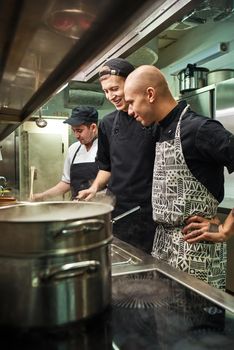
(192,77)
(41,123)
(32,174)
(116,218)
(55,260)
(218,75)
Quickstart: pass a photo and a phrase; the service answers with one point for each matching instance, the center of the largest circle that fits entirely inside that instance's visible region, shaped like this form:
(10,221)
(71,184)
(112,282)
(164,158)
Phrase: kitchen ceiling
(208,11)
(43,44)
(165,23)
(211,11)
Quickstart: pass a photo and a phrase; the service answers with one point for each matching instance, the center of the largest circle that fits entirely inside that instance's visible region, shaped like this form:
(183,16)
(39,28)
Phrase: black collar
(177,110)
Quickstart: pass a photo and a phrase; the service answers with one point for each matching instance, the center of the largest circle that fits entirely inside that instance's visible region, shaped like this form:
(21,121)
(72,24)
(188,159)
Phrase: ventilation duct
(147,54)
(183,25)
(85,94)
(207,11)
(211,10)
(144,55)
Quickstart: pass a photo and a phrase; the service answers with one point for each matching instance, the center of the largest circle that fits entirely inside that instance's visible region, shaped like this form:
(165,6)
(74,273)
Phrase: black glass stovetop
(149,311)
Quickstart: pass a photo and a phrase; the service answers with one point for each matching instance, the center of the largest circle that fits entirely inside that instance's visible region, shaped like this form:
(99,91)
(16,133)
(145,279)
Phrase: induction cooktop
(152,311)
(149,311)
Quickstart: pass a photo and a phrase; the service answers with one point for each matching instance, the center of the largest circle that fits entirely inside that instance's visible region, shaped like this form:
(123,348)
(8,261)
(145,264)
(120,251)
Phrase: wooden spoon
(32,172)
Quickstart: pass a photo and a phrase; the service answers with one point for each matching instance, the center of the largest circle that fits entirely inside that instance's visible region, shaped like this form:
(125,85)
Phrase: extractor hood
(44,43)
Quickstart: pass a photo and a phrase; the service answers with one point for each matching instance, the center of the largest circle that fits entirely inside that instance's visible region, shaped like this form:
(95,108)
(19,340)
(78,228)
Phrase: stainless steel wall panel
(44,44)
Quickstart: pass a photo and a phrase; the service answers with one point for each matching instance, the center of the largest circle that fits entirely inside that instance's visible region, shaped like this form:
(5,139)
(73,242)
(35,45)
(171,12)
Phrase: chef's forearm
(101,180)
(228,225)
(59,189)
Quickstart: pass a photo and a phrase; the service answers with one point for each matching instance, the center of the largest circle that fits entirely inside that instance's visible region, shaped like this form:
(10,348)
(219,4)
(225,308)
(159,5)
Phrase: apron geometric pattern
(177,195)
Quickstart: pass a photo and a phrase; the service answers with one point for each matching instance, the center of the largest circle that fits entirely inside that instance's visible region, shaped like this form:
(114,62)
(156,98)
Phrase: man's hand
(86,194)
(99,183)
(202,229)
(36,197)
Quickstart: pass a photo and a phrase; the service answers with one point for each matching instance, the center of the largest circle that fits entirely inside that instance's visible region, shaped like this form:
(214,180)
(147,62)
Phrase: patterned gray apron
(177,195)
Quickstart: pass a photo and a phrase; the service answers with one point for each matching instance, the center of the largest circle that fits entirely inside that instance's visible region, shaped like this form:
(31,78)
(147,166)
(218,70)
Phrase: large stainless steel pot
(192,77)
(218,75)
(55,262)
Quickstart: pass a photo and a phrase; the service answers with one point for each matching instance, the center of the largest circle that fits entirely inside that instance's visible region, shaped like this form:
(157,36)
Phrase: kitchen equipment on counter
(192,78)
(5,197)
(145,302)
(55,263)
(215,76)
(144,305)
(7,200)
(120,256)
(32,175)
(3,182)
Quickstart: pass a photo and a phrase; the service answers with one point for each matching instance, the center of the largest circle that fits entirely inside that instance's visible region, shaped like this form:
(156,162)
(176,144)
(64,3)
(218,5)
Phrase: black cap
(82,115)
(117,66)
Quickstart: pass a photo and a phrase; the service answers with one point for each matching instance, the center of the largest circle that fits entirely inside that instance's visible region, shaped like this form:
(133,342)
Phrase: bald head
(148,85)
(145,76)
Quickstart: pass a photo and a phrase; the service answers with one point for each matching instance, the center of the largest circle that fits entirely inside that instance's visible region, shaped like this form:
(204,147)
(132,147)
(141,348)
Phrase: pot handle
(69,270)
(81,226)
(126,213)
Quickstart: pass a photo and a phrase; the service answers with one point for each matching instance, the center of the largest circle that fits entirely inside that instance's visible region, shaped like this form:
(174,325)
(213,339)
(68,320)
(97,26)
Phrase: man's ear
(151,94)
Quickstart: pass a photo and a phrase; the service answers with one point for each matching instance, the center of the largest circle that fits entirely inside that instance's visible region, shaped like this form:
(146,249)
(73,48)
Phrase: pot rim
(10,214)
(221,70)
(195,69)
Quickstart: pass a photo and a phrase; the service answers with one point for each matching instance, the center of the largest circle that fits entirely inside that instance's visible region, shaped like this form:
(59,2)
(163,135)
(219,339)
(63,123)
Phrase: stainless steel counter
(153,307)
(127,259)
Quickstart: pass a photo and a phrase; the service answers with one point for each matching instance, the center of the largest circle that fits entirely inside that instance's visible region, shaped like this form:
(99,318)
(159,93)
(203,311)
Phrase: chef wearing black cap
(80,166)
(125,158)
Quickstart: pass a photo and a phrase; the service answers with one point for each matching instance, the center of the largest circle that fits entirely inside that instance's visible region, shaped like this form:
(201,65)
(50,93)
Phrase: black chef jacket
(206,144)
(127,150)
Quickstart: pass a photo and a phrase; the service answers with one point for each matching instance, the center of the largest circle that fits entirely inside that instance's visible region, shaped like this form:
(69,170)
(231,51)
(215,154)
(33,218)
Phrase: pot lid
(193,68)
(221,70)
(53,211)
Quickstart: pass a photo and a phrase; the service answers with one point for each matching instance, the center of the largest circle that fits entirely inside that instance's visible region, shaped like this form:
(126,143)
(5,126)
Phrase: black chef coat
(207,147)
(127,150)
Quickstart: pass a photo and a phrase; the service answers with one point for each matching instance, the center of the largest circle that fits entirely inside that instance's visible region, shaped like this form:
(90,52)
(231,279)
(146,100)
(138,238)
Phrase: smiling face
(139,105)
(148,95)
(113,87)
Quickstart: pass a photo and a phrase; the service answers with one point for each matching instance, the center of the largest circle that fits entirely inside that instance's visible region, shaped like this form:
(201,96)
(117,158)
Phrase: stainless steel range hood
(43,44)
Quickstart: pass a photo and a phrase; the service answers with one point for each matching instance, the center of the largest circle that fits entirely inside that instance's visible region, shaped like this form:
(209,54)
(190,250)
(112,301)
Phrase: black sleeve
(215,144)
(103,154)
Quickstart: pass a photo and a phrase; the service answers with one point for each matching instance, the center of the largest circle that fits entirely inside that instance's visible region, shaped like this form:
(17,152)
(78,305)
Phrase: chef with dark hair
(125,159)
(80,166)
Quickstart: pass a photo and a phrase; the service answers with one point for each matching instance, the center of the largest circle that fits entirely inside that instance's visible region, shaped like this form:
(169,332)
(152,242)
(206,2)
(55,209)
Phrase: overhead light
(202,57)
